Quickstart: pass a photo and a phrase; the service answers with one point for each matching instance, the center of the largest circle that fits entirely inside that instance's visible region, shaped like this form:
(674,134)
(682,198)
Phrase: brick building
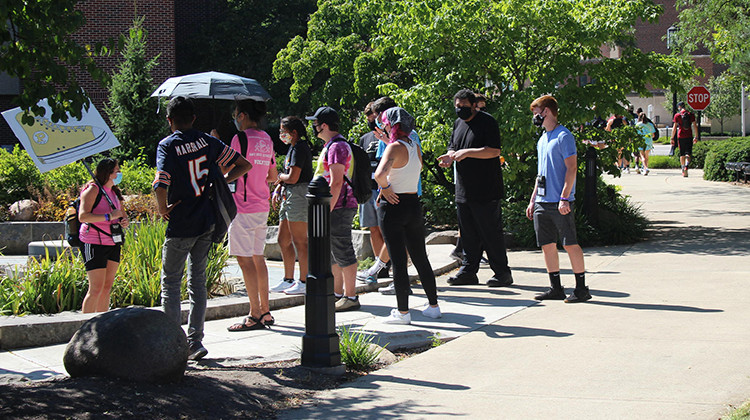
(169,24)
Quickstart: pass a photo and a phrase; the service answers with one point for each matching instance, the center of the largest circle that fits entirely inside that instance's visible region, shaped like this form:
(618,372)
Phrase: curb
(44,330)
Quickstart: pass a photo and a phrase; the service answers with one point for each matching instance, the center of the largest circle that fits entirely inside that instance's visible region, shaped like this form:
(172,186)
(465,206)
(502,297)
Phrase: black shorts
(686,146)
(550,225)
(97,256)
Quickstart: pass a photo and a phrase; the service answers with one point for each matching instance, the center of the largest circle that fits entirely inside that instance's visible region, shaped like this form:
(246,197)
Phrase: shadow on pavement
(699,240)
(653,307)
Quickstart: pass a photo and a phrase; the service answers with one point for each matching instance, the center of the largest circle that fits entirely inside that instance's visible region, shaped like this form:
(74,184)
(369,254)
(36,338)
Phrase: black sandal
(268,323)
(242,326)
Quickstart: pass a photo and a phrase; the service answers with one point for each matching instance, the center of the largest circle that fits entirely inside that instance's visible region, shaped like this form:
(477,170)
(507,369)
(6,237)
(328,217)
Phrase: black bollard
(320,344)
(589,196)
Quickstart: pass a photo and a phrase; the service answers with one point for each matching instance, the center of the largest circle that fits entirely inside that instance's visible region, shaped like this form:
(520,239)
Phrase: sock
(580,280)
(554,280)
(375,269)
(338,296)
(355,298)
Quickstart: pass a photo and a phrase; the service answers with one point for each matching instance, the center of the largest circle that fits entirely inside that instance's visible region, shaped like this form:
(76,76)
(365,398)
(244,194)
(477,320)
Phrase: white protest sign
(51,145)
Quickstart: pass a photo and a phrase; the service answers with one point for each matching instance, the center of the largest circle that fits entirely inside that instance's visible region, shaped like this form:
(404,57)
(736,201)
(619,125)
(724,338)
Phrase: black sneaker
(579,295)
(551,294)
(463,279)
(196,351)
(505,279)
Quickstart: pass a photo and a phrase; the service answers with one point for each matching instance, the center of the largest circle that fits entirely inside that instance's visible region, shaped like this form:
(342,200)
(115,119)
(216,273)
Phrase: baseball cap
(325,115)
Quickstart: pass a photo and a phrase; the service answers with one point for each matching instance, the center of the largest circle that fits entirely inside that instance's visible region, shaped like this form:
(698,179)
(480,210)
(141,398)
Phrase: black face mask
(538,120)
(372,125)
(463,112)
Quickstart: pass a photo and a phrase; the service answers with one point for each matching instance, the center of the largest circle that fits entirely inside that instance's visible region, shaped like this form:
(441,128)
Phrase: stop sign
(698,98)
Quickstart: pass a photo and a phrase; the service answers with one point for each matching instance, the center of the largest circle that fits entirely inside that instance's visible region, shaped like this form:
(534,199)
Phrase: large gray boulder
(136,344)
(23,210)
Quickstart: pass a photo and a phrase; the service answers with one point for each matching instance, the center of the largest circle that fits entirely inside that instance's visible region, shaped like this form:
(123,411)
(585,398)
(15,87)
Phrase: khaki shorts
(294,203)
(247,234)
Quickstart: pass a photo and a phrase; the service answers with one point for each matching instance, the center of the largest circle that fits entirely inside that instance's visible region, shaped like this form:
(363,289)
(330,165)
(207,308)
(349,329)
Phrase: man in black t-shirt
(183,162)
(475,147)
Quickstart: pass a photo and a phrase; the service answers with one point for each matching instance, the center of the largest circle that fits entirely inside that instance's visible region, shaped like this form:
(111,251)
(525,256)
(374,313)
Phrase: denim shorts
(368,217)
(294,203)
(550,225)
(342,249)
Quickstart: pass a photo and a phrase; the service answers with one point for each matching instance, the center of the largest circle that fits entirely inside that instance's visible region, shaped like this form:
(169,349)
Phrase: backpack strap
(242,137)
(97,200)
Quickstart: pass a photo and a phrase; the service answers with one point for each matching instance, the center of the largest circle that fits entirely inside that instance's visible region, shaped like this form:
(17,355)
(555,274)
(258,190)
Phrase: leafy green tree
(725,98)
(722,26)
(37,48)
(422,51)
(133,113)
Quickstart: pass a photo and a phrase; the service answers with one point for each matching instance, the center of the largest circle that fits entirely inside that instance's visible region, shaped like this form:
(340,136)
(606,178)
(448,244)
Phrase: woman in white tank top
(400,214)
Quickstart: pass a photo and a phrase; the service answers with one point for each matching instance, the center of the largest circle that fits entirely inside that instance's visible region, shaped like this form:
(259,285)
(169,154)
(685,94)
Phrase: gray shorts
(368,217)
(550,225)
(342,250)
(294,203)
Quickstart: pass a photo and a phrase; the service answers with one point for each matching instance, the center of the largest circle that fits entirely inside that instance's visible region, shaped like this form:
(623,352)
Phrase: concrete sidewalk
(664,337)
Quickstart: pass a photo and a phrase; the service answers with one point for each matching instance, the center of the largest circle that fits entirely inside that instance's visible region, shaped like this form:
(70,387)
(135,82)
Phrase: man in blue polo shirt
(183,161)
(551,204)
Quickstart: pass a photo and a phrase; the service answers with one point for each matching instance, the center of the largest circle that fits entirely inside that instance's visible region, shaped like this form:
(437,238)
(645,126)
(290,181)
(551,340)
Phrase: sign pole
(699,125)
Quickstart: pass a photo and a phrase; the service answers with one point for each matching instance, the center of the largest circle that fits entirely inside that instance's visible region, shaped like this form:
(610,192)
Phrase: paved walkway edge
(43,330)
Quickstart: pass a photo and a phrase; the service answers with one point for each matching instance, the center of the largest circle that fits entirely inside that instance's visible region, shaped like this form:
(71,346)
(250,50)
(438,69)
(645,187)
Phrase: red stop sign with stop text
(698,98)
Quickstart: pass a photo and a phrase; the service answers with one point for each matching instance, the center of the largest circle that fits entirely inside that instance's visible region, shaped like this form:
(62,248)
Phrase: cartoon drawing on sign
(51,145)
(55,141)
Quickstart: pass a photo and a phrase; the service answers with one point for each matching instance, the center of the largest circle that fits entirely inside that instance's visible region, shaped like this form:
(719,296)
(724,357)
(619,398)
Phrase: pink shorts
(247,234)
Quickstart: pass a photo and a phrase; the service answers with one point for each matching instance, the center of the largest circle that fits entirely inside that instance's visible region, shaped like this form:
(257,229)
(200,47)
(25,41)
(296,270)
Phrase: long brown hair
(103,170)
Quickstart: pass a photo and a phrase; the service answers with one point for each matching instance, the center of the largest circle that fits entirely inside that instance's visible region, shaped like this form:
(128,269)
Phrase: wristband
(563,199)
(106,217)
(385,188)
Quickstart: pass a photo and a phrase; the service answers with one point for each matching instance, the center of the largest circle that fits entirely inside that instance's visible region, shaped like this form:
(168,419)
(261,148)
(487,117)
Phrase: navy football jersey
(182,163)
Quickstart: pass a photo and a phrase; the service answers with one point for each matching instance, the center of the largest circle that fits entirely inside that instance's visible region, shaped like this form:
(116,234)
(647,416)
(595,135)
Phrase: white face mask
(286,138)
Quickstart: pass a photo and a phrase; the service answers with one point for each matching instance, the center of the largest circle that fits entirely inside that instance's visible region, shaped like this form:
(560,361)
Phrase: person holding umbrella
(247,233)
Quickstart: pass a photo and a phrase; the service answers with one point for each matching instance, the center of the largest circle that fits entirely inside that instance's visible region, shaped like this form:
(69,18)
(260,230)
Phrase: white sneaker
(397,317)
(282,285)
(627,169)
(298,288)
(388,290)
(431,312)
(645,172)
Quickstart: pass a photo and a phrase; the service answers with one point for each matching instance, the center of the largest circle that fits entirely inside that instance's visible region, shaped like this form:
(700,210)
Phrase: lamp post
(671,43)
(320,344)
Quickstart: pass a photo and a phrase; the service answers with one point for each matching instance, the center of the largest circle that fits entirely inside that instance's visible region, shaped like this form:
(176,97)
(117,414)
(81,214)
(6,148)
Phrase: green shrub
(45,286)
(18,175)
(732,150)
(137,176)
(700,150)
(66,179)
(663,162)
(357,351)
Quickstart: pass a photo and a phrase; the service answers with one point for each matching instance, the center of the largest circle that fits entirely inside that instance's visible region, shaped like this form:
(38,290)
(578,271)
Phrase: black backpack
(71,222)
(656,131)
(686,120)
(361,173)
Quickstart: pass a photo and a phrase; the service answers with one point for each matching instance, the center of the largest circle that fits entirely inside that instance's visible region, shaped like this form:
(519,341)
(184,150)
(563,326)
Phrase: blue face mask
(237,124)
(379,123)
(118,178)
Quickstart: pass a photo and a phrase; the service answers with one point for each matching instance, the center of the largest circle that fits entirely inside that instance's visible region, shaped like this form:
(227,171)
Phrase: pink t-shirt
(90,235)
(253,196)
